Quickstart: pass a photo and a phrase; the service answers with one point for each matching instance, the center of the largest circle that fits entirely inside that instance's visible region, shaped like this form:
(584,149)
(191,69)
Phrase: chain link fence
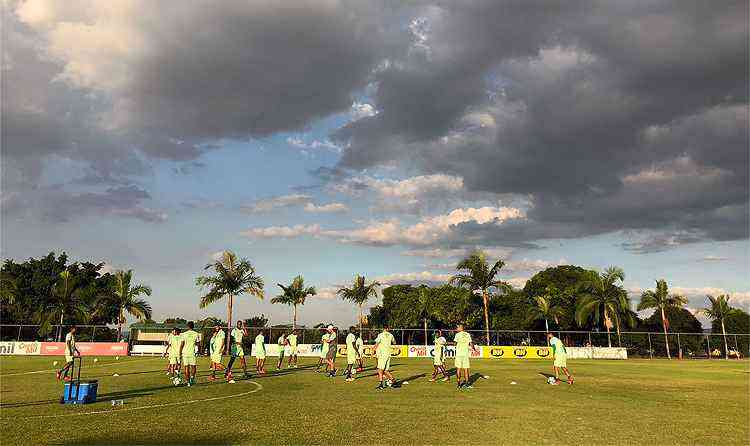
(638,344)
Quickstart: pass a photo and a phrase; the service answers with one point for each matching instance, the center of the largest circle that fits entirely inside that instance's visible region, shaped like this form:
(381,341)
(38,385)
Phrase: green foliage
(565,281)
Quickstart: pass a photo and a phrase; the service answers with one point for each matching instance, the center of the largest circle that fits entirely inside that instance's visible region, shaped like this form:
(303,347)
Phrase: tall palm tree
(661,300)
(66,298)
(126,298)
(424,307)
(603,297)
(719,311)
(479,277)
(544,309)
(359,293)
(232,277)
(294,294)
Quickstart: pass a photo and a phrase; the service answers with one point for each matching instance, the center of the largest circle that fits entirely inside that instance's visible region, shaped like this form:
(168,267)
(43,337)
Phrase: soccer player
(438,354)
(282,343)
(561,358)
(70,352)
(172,352)
(260,353)
(323,349)
(360,345)
(216,347)
(187,352)
(292,341)
(463,342)
(333,347)
(383,352)
(237,351)
(351,354)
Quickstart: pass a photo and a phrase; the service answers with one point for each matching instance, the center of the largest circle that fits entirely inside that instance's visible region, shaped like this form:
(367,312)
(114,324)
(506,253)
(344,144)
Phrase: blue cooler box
(80,392)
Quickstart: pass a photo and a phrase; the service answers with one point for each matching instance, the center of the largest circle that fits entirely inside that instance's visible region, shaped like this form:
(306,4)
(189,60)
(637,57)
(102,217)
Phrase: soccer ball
(117,358)
(96,359)
(176,381)
(551,380)
(54,363)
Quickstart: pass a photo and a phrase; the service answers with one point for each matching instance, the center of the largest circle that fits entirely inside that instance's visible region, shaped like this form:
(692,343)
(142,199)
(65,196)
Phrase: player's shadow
(144,372)
(400,382)
(376,373)
(474,377)
(546,375)
(451,372)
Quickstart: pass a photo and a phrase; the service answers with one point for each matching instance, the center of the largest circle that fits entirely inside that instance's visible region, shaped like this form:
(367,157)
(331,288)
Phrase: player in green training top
(323,349)
(351,353)
(216,348)
(463,342)
(561,358)
(383,352)
(360,345)
(438,355)
(173,353)
(237,351)
(189,340)
(260,353)
(292,341)
(281,344)
(70,352)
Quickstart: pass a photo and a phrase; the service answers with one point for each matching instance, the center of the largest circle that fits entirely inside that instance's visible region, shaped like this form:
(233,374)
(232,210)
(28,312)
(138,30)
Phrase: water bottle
(117,403)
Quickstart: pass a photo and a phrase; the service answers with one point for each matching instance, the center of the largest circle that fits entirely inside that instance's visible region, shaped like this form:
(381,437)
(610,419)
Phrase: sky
(330,138)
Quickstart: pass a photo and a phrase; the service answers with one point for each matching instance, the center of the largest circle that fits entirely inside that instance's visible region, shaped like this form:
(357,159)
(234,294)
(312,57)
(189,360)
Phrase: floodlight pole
(19,334)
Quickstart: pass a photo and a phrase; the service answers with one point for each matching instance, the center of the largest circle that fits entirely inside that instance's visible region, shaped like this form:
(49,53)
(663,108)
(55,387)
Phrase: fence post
(497,338)
(679,347)
(19,334)
(590,343)
(650,349)
(708,345)
(93,334)
(402,336)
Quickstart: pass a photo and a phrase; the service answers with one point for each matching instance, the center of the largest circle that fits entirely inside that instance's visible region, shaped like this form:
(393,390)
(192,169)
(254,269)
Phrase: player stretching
(173,353)
(70,351)
(561,358)
(438,355)
(323,349)
(383,351)
(260,353)
(351,354)
(216,347)
(463,343)
(360,345)
(187,353)
(292,341)
(333,347)
(237,351)
(281,343)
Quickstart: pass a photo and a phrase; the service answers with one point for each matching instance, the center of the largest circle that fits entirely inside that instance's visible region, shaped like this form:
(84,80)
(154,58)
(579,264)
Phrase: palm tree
(294,294)
(719,311)
(65,299)
(603,296)
(661,300)
(233,277)
(480,278)
(359,293)
(125,297)
(544,309)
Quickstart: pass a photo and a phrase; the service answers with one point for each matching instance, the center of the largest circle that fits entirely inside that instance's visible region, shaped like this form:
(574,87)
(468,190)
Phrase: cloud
(713,258)
(642,123)
(409,195)
(432,279)
(326,208)
(313,145)
(272,204)
(491,251)
(282,231)
(697,295)
(327,293)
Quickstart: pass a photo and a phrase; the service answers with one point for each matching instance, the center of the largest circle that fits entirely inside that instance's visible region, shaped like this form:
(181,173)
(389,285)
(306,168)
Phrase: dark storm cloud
(617,115)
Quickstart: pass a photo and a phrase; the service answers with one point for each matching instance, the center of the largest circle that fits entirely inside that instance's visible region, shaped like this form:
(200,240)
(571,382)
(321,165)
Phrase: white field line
(258,387)
(87,367)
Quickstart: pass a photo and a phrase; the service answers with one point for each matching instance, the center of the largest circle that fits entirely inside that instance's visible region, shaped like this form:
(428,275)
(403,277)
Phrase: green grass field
(612,402)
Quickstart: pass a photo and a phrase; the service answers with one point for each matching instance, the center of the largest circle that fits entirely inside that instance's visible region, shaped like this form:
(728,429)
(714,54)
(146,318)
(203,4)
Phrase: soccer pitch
(611,402)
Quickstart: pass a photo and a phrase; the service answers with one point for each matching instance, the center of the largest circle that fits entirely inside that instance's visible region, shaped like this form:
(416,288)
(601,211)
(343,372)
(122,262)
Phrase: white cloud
(532,265)
(313,145)
(326,208)
(712,258)
(423,277)
(270,204)
(327,293)
(407,191)
(362,110)
(282,231)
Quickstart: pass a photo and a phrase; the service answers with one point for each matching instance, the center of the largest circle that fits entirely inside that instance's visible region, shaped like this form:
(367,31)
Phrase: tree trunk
(546,330)
(229,323)
(360,319)
(59,327)
(726,347)
(666,338)
(294,317)
(606,325)
(486,317)
(119,325)
(425,332)
(617,325)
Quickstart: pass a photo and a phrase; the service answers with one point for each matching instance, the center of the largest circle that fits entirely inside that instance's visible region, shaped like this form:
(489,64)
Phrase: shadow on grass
(399,382)
(162,440)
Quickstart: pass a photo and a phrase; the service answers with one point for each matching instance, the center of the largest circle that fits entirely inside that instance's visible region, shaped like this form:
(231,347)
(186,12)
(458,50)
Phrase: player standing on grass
(438,355)
(360,345)
(323,349)
(292,341)
(237,351)
(70,352)
(282,343)
(561,358)
(260,353)
(383,352)
(216,347)
(333,347)
(351,354)
(463,343)
(189,339)
(173,353)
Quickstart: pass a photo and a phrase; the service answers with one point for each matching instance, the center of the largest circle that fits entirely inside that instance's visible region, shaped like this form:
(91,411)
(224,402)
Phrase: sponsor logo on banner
(19,348)
(7,348)
(420,351)
(87,348)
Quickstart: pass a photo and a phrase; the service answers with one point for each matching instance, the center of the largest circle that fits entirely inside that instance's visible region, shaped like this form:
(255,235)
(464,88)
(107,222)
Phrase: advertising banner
(87,348)
(20,348)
